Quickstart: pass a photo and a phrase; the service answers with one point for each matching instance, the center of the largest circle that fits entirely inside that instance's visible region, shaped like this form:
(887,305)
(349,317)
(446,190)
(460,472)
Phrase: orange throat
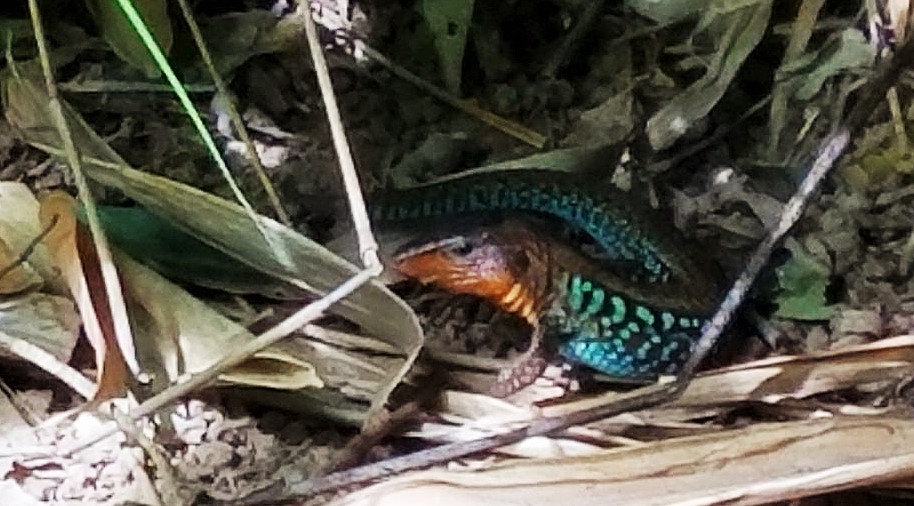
(502,289)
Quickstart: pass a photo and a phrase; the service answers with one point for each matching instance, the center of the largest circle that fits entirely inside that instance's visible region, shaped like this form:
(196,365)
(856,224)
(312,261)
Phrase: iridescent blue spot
(618,309)
(575,297)
(668,320)
(645,315)
(596,301)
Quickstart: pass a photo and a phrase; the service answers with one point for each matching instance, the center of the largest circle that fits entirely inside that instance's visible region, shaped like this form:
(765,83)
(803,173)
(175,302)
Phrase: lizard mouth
(435,267)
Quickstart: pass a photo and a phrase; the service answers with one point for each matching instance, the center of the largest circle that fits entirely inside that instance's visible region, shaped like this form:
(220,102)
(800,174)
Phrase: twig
(832,149)
(632,401)
(337,23)
(511,128)
(233,114)
(100,86)
(368,246)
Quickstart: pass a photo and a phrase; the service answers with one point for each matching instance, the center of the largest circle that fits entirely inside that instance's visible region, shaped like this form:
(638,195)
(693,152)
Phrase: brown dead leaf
(176,333)
(72,252)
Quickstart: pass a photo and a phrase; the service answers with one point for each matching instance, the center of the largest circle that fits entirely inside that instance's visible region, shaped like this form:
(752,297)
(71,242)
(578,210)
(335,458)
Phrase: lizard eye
(463,248)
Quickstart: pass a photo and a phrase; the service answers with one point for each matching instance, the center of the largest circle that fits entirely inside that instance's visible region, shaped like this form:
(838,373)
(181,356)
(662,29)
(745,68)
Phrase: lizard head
(484,262)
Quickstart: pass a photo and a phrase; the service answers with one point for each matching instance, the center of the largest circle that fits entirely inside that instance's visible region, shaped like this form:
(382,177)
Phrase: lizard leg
(525,370)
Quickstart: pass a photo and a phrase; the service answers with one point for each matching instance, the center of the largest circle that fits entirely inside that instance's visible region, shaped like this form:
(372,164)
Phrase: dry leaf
(176,333)
(79,267)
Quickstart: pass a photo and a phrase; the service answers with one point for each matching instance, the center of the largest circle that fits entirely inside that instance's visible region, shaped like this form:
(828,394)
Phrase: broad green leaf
(803,282)
(177,255)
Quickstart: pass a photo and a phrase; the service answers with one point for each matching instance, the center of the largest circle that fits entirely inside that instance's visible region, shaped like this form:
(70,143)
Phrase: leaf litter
(839,299)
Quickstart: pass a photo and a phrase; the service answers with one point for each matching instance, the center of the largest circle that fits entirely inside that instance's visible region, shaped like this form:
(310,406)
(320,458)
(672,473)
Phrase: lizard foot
(513,379)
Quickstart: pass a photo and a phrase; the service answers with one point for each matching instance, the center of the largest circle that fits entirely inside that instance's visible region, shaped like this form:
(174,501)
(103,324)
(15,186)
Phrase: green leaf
(449,22)
(736,27)
(845,52)
(177,255)
(122,37)
(803,282)
(667,12)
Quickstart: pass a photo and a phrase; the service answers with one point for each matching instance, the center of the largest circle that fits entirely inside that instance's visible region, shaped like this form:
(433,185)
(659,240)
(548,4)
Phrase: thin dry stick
(113,293)
(831,148)
(368,246)
(100,86)
(337,22)
(632,401)
(828,154)
(233,114)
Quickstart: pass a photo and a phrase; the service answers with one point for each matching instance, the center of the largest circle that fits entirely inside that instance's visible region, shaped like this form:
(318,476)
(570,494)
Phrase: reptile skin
(624,233)
(631,331)
(630,311)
